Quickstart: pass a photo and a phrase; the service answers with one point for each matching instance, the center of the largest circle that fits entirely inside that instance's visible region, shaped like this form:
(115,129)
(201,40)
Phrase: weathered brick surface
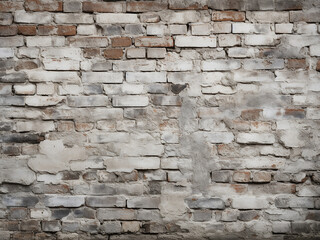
(163,119)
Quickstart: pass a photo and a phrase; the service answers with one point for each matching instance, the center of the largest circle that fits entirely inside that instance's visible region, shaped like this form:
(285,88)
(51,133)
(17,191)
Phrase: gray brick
(210,203)
(87,101)
(112,201)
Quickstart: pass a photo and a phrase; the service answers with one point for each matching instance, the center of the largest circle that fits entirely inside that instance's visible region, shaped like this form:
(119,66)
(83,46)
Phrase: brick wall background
(159,120)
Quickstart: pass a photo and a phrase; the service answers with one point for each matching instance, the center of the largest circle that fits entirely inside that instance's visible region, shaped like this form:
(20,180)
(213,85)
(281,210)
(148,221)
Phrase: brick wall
(159,120)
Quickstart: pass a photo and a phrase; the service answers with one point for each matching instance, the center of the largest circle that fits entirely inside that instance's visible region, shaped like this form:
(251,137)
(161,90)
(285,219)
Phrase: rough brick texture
(159,119)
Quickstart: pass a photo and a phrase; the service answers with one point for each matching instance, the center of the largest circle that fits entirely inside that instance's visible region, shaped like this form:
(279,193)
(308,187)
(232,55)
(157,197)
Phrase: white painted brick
(134,89)
(220,65)
(39,213)
(31,52)
(6,53)
(156,29)
(193,41)
(53,76)
(284,28)
(201,29)
(268,16)
(218,89)
(87,101)
(32,17)
(178,29)
(128,164)
(135,65)
(102,77)
(136,53)
(310,29)
(86,30)
(221,27)
(178,65)
(116,18)
(156,52)
(256,138)
(37,101)
(253,76)
(146,77)
(64,52)
(219,137)
(27,89)
(45,41)
(229,40)
(45,89)
(108,137)
(257,40)
(182,17)
(241,52)
(35,126)
(259,64)
(15,41)
(249,202)
(250,28)
(130,101)
(73,18)
(315,50)
(60,64)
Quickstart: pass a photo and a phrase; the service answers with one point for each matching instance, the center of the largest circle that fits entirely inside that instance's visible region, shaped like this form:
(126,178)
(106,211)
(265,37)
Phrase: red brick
(64,30)
(106,7)
(185,5)
(41,5)
(8,30)
(91,52)
(241,176)
(154,42)
(251,114)
(146,6)
(318,66)
(113,53)
(47,30)
(28,30)
(10,6)
(261,177)
(229,16)
(297,63)
(121,42)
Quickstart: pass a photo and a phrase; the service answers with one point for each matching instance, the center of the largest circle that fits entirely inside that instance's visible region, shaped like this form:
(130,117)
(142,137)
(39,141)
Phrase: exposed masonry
(160,120)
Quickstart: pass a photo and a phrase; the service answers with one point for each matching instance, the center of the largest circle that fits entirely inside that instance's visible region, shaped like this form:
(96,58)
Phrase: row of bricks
(199,29)
(147,6)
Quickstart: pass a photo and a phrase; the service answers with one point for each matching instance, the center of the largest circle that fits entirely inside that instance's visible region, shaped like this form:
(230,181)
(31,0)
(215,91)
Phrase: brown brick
(241,176)
(154,42)
(251,114)
(65,126)
(10,6)
(146,6)
(121,42)
(25,64)
(318,66)
(41,5)
(28,30)
(187,5)
(113,53)
(297,63)
(91,52)
(47,30)
(297,113)
(64,30)
(30,225)
(261,177)
(8,30)
(83,127)
(229,16)
(106,7)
